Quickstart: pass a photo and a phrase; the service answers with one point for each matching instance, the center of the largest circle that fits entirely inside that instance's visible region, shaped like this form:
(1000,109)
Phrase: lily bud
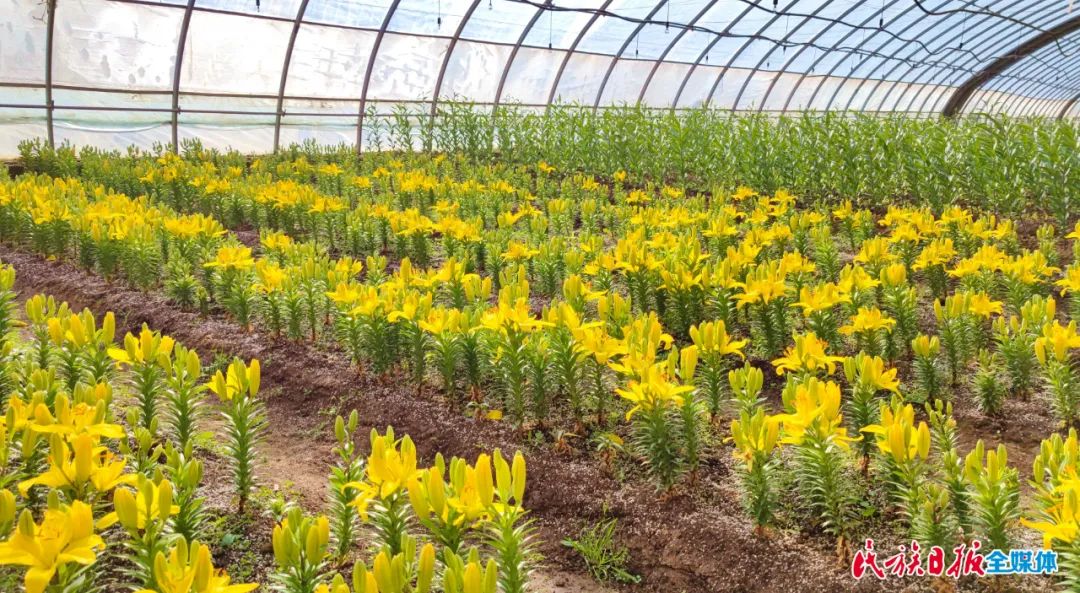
(482,474)
(204,567)
(924,440)
(502,476)
(436,490)
(425,570)
(472,580)
(418,499)
(491,576)
(7,509)
(339,429)
(362,580)
(383,573)
(108,328)
(518,471)
(84,460)
(193,364)
(165,499)
(312,545)
(254,377)
(56,331)
(126,509)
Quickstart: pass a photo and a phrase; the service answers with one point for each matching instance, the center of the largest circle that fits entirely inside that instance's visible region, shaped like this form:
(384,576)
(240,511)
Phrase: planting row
(101,481)
(1007,164)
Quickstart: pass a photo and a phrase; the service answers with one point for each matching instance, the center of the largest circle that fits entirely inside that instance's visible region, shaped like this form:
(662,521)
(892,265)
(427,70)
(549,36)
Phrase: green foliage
(604,557)
(995,495)
(987,385)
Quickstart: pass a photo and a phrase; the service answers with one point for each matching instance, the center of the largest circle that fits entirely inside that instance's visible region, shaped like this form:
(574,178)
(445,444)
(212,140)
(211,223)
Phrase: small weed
(605,558)
(275,503)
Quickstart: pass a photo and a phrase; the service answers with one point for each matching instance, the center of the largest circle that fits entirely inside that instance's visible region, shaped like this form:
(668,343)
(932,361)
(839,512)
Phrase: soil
(697,541)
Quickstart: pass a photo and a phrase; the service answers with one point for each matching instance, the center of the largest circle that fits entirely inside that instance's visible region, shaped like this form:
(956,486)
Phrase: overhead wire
(854,50)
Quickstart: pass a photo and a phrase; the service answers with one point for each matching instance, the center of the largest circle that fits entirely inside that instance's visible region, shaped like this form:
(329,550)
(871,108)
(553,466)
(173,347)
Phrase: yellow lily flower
(754,436)
(822,297)
(232,258)
(867,320)
(806,355)
(80,466)
(190,569)
(898,436)
(711,337)
(65,535)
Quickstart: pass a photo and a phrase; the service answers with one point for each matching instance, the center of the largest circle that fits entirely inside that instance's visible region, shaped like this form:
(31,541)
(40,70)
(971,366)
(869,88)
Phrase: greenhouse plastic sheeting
(257,74)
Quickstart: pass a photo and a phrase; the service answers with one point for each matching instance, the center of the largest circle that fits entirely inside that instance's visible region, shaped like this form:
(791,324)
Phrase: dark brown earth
(699,542)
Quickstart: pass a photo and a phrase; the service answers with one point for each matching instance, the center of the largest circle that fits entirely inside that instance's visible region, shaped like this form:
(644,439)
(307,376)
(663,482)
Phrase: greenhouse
(539,296)
(257,76)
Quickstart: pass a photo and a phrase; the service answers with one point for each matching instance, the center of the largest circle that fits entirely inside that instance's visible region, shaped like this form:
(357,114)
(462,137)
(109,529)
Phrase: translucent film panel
(499,21)
(234,54)
(276,8)
(696,91)
(350,13)
(329,62)
(531,76)
(22,41)
(474,71)
(115,45)
(441,17)
(323,122)
(407,67)
(664,84)
(559,29)
(579,82)
(624,84)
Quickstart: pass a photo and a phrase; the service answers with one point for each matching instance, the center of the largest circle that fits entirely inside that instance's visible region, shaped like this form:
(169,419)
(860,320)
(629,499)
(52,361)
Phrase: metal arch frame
(50,12)
(1072,102)
(984,31)
(705,52)
(1021,82)
(181,47)
(884,70)
(949,81)
(1064,91)
(1028,79)
(570,52)
(280,111)
(1059,90)
(675,41)
(798,52)
(941,79)
(1019,99)
(990,47)
(615,59)
(1035,105)
(446,59)
(514,52)
(746,43)
(367,75)
(939,75)
(830,73)
(1045,106)
(960,96)
(767,57)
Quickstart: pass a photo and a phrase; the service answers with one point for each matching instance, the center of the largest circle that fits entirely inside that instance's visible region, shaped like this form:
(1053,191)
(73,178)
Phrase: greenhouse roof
(257,74)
